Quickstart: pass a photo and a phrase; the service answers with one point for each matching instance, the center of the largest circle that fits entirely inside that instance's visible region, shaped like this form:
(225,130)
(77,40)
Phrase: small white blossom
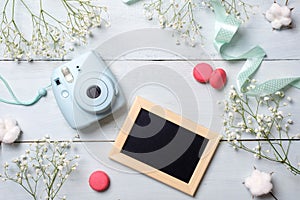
(266,98)
(19,180)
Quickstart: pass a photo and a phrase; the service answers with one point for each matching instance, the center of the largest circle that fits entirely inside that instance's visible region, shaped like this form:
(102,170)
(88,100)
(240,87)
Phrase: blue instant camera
(86,90)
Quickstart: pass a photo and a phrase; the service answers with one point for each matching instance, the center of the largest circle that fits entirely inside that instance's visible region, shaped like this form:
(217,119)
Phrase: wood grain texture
(223,180)
(161,73)
(158,81)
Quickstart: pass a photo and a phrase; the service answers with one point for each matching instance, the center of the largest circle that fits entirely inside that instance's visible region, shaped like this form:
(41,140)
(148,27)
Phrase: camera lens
(93,92)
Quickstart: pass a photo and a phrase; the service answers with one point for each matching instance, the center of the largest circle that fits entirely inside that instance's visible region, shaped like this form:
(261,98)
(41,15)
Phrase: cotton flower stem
(271,193)
(286,2)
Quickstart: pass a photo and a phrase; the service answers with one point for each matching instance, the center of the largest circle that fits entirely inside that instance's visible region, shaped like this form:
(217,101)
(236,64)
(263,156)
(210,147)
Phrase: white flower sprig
(264,119)
(181,16)
(178,15)
(50,34)
(43,169)
(239,8)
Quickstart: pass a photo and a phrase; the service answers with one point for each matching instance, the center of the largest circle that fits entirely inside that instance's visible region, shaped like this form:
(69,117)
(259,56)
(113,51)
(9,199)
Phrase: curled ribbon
(226,27)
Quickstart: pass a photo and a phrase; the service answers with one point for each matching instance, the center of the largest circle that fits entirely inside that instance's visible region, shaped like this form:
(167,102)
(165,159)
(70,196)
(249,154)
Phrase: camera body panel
(86,90)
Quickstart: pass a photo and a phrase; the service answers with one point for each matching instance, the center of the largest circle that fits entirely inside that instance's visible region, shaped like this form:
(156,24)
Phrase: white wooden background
(161,73)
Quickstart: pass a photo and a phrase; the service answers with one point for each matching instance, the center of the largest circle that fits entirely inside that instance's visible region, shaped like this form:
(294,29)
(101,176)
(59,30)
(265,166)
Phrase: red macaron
(99,181)
(218,79)
(202,72)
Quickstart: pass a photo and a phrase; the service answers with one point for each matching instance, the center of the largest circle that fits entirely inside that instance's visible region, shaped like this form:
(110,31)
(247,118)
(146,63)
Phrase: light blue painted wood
(227,170)
(158,81)
(223,179)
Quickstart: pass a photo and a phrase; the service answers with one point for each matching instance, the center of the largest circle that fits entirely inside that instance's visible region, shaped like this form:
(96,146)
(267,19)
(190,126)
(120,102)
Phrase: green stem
(13,10)
(16,181)
(52,182)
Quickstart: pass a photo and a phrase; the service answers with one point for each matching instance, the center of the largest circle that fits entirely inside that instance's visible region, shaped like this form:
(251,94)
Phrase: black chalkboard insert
(164,145)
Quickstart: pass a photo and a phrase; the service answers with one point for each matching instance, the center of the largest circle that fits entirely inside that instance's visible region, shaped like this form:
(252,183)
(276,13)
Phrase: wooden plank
(223,179)
(168,83)
(257,31)
(126,19)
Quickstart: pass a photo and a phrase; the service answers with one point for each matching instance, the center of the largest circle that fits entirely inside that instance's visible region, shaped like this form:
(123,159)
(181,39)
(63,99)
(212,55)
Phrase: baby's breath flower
(60,168)
(266,98)
(265,121)
(5,165)
(46,164)
(177,15)
(289,99)
(50,35)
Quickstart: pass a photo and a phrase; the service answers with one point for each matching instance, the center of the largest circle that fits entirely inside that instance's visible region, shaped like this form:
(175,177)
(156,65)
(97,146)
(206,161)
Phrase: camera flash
(67,74)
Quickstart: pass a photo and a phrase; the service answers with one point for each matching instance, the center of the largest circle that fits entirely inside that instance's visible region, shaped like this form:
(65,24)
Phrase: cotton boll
(10,123)
(286,21)
(11,135)
(275,9)
(285,11)
(2,133)
(279,16)
(9,130)
(269,16)
(276,24)
(2,129)
(259,183)
(2,124)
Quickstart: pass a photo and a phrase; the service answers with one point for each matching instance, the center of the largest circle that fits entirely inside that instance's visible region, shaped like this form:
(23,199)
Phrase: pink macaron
(99,181)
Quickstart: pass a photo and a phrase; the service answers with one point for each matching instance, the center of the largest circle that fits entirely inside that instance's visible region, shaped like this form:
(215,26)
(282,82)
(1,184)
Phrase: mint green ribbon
(226,27)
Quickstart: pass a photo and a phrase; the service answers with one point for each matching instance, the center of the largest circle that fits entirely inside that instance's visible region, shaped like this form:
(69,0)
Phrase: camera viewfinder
(67,74)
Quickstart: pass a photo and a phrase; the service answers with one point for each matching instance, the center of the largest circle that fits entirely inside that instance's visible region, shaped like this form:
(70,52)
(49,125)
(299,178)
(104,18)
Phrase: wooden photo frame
(165,146)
